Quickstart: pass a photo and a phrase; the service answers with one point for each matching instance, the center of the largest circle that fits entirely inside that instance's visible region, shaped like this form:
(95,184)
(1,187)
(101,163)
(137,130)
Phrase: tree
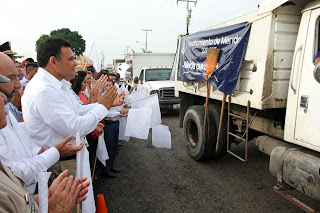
(144,51)
(78,43)
(41,39)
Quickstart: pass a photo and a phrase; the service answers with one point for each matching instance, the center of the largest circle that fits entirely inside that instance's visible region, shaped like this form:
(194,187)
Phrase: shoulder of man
(13,195)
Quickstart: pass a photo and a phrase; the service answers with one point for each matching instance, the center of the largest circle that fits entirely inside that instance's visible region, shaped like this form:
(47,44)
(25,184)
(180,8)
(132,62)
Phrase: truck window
(159,74)
(141,75)
(317,42)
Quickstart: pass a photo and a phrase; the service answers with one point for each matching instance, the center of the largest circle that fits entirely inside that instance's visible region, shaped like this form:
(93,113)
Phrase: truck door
(306,89)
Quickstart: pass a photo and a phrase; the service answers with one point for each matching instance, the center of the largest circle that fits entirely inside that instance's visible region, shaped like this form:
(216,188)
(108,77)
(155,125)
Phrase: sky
(113,25)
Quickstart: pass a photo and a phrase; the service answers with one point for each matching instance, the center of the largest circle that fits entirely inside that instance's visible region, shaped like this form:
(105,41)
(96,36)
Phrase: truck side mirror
(316,72)
(135,80)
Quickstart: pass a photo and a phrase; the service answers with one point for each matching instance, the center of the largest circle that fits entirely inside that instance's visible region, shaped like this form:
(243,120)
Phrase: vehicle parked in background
(157,80)
(137,61)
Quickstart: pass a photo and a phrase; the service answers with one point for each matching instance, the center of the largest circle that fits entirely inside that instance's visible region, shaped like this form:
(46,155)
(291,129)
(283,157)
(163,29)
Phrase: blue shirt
(17,114)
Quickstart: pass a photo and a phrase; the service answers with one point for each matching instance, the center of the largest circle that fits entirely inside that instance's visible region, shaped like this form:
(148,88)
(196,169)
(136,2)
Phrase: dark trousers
(111,138)
(92,148)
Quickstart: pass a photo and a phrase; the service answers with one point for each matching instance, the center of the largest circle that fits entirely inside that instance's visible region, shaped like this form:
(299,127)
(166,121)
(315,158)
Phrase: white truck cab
(303,107)
(157,80)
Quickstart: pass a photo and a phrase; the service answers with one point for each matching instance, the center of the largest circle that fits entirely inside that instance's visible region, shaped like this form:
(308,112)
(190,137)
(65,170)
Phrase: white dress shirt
(52,111)
(19,152)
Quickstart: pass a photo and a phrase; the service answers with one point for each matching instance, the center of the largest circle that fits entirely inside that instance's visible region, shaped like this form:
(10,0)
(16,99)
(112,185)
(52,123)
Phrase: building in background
(116,63)
(83,61)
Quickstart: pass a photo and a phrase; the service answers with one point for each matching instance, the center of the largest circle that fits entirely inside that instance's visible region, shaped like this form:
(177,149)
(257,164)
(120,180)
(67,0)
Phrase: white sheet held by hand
(83,170)
(102,153)
(138,94)
(122,130)
(43,178)
(151,102)
(161,136)
(138,123)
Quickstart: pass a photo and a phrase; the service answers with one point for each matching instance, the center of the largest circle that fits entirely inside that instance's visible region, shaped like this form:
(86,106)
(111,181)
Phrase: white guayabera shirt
(52,111)
(19,152)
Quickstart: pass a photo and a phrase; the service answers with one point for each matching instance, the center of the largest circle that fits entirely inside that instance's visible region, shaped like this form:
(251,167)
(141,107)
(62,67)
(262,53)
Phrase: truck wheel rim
(192,133)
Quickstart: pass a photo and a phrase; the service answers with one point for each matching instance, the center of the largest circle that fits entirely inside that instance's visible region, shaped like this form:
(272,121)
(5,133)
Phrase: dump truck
(274,99)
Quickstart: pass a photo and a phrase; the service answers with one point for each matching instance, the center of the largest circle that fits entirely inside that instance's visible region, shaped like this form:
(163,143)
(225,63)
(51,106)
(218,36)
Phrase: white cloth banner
(43,178)
(122,130)
(138,123)
(102,153)
(161,136)
(83,170)
(122,88)
(124,66)
(137,94)
(151,102)
(95,58)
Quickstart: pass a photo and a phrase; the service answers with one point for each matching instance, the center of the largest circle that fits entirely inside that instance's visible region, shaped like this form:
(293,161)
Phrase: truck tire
(198,146)
(214,113)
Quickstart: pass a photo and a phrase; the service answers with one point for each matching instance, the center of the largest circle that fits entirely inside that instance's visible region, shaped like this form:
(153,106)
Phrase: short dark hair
(91,69)
(102,72)
(111,81)
(30,60)
(106,71)
(31,66)
(89,73)
(50,47)
(76,82)
(117,76)
(112,74)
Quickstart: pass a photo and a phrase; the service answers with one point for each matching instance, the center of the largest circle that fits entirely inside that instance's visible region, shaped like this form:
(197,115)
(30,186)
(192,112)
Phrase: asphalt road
(162,180)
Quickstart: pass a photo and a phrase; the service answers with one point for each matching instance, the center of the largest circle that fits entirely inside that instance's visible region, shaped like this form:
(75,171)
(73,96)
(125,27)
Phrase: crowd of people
(43,106)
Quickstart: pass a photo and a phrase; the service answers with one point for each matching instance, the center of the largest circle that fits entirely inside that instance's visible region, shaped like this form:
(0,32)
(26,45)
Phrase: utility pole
(126,51)
(146,30)
(188,12)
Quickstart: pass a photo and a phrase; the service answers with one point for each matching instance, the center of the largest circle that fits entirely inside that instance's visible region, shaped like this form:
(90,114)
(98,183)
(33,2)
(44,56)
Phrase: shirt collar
(52,80)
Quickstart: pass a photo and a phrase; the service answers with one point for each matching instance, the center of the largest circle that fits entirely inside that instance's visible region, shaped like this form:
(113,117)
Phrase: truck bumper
(169,103)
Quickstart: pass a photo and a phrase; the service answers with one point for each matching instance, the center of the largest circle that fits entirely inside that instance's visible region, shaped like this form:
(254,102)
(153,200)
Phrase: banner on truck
(232,42)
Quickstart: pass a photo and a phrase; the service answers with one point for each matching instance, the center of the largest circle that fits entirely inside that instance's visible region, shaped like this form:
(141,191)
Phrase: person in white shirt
(17,150)
(31,70)
(62,194)
(51,110)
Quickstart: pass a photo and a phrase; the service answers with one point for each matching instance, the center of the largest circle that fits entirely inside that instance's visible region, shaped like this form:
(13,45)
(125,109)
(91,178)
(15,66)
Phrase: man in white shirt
(51,110)
(17,150)
(31,70)
(62,194)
